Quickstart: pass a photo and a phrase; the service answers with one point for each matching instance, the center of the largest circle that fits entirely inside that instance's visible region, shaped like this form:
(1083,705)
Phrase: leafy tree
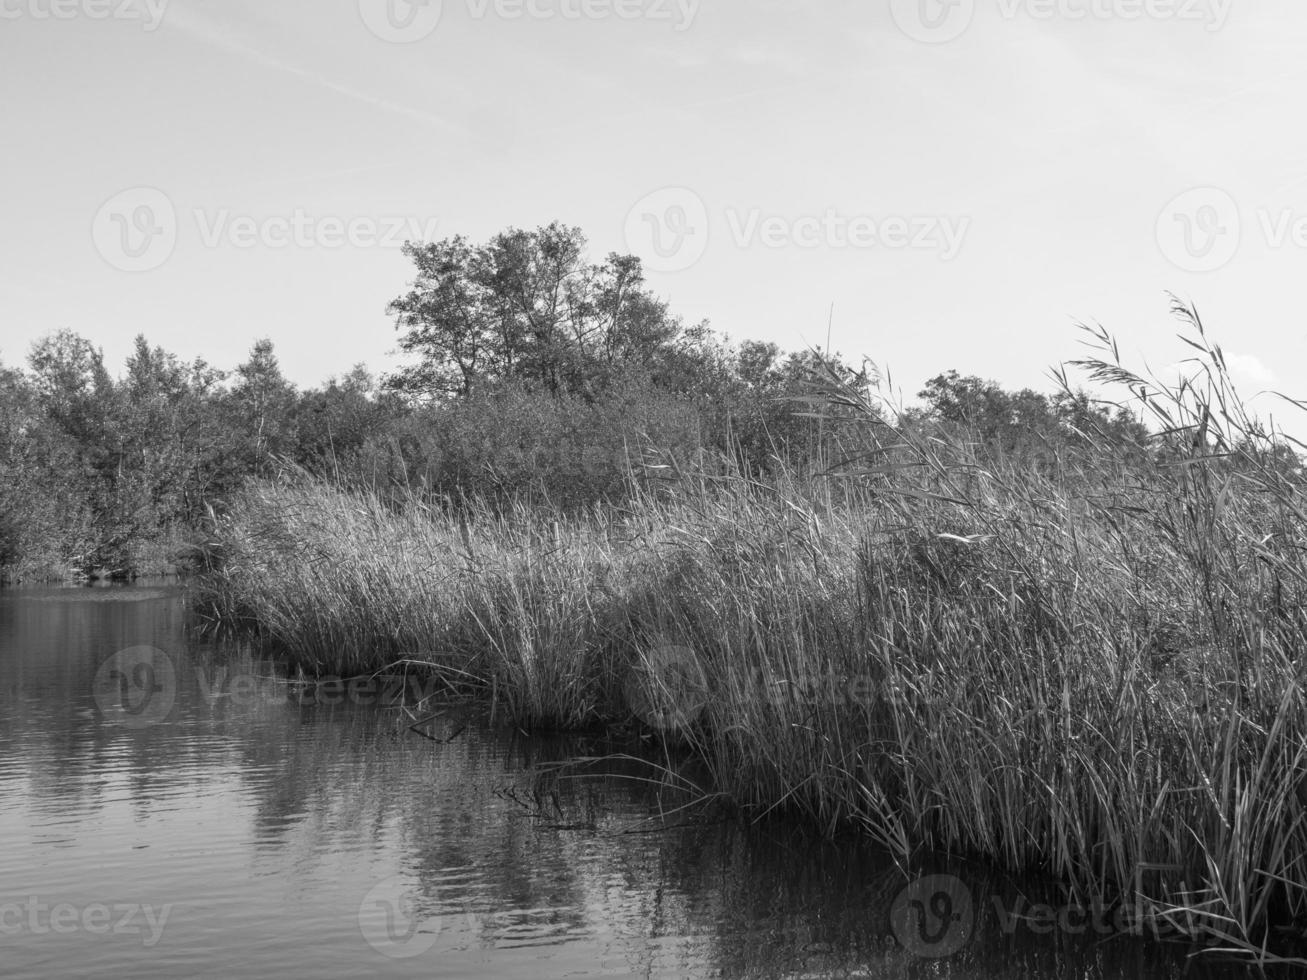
(1026,423)
(333,423)
(78,399)
(18,421)
(175,447)
(262,406)
(526,307)
(74,388)
(93,468)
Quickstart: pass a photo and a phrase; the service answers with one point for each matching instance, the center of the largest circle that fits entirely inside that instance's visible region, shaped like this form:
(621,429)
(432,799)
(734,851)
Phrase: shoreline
(725,617)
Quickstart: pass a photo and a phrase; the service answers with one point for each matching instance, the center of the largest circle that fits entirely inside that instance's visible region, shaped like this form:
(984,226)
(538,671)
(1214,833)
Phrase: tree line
(531,373)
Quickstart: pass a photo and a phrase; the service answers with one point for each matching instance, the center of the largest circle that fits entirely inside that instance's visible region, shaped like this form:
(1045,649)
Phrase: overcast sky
(963,181)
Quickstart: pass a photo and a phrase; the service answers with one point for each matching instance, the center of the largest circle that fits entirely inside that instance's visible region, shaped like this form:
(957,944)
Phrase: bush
(511,443)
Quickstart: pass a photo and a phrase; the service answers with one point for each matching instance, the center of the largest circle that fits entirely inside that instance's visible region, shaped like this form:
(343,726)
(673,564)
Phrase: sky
(937,183)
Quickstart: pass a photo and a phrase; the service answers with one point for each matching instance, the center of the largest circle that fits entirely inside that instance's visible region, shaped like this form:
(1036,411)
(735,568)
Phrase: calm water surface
(222,824)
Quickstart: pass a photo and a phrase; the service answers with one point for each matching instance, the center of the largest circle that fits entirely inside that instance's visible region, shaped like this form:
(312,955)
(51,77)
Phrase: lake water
(170,808)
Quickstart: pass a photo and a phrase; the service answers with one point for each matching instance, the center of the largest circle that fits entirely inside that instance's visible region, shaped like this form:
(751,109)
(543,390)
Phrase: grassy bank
(45,562)
(1085,663)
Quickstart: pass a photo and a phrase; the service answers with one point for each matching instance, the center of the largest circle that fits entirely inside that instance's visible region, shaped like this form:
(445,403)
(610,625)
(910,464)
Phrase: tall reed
(1089,668)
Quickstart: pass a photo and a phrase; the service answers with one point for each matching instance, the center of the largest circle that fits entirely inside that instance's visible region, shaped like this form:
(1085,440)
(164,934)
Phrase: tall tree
(526,306)
(263,402)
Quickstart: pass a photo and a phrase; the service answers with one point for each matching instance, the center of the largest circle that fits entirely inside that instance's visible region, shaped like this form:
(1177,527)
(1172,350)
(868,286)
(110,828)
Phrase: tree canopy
(532,371)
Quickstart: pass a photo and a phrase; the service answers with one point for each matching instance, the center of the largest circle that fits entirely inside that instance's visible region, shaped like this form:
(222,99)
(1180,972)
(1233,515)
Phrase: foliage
(1090,670)
(535,375)
(526,318)
(97,472)
(1027,424)
(527,307)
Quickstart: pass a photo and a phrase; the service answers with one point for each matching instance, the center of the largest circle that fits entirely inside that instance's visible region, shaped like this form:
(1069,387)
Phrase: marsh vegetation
(1061,633)
(1076,657)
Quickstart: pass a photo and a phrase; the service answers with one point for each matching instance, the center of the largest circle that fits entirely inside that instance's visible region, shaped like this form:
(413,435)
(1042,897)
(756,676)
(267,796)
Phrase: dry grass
(1094,674)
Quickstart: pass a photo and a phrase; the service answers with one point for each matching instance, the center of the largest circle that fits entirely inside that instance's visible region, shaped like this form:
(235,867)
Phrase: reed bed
(1090,668)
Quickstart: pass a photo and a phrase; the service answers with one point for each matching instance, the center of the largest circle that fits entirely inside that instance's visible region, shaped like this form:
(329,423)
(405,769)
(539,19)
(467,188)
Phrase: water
(229,826)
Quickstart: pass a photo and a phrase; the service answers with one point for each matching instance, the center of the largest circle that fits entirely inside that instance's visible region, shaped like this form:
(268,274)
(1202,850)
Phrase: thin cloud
(1248,367)
(758,54)
(1247,370)
(210,32)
